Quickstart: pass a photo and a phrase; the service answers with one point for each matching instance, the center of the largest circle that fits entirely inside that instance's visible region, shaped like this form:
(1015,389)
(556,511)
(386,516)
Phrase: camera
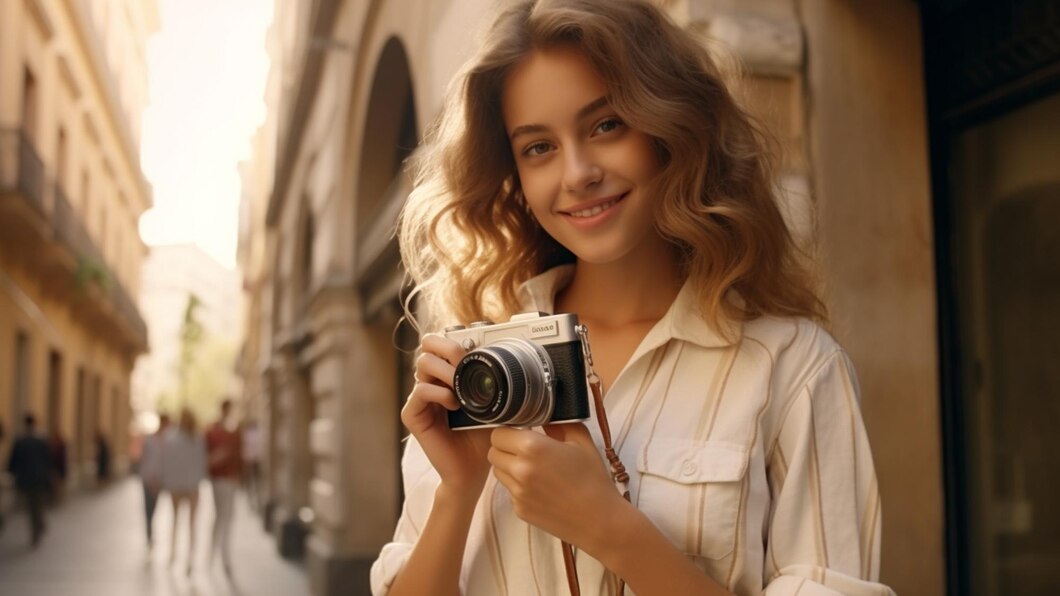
(527,372)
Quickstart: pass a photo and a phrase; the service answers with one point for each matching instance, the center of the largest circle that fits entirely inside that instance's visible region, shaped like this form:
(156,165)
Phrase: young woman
(592,161)
(183,463)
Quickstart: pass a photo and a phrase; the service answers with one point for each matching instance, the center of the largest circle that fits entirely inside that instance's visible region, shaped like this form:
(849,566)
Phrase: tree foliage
(204,368)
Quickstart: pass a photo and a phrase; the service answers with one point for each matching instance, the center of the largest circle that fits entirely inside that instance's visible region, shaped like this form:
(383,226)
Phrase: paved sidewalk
(95,546)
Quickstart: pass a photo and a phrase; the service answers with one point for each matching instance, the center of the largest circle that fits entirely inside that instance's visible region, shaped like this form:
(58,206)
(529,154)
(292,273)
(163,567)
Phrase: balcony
(21,170)
(39,226)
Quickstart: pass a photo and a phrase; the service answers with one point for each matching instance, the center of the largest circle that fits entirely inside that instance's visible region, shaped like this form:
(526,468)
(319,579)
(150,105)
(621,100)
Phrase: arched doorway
(390,135)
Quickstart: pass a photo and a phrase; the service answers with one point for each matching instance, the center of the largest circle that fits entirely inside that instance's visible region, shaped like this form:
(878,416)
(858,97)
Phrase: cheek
(540,210)
(645,162)
(538,191)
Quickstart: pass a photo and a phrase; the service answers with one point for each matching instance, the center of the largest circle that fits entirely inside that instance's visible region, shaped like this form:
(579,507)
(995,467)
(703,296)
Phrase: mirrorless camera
(527,372)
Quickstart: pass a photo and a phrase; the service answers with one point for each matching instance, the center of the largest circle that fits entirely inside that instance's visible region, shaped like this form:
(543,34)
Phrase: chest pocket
(691,490)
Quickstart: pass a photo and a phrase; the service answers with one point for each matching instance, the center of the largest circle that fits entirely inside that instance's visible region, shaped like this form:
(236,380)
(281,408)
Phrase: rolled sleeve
(420,481)
(824,537)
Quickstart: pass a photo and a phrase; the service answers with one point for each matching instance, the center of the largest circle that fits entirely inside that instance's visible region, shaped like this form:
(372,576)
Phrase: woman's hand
(558,482)
(458,457)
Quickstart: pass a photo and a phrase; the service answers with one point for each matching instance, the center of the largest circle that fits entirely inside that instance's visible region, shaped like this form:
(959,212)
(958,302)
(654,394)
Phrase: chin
(598,255)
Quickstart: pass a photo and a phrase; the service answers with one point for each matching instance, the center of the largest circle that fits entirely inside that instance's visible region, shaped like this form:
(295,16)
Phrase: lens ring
(537,402)
(522,374)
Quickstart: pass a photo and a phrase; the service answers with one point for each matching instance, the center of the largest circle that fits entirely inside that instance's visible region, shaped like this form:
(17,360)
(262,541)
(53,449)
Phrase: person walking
(151,473)
(59,466)
(102,458)
(183,469)
(30,464)
(224,453)
(1,488)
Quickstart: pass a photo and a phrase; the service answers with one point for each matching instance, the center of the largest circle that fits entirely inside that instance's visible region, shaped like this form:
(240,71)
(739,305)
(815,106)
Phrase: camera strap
(618,471)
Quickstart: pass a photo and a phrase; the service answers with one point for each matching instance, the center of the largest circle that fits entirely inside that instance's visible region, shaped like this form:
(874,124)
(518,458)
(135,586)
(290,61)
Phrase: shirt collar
(682,320)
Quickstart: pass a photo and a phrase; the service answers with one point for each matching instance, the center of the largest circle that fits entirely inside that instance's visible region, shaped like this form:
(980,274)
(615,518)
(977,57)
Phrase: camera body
(527,372)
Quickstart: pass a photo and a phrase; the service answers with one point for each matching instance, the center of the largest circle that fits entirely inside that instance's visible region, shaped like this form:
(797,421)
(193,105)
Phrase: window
(20,387)
(55,395)
(60,159)
(86,195)
(29,105)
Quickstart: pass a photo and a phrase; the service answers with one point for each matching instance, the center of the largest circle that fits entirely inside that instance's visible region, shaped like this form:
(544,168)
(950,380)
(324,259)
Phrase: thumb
(555,431)
(570,432)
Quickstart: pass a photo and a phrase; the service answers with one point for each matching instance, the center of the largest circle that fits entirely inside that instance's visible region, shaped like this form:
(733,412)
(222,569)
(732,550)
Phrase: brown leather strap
(618,474)
(572,569)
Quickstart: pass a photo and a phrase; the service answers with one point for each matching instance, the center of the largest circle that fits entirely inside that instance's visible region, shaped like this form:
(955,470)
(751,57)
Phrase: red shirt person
(224,456)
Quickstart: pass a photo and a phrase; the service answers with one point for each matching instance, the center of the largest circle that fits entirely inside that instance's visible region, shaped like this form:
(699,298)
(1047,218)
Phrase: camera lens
(506,382)
(482,384)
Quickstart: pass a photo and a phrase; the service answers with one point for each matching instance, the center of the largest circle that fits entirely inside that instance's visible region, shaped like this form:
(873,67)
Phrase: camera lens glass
(482,385)
(507,382)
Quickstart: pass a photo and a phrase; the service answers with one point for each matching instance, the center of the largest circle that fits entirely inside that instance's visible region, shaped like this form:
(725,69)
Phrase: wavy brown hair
(468,241)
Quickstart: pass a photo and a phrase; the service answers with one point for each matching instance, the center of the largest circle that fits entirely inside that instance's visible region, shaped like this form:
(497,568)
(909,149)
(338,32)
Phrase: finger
(507,480)
(518,441)
(556,431)
(425,394)
(569,432)
(502,460)
(431,368)
(443,347)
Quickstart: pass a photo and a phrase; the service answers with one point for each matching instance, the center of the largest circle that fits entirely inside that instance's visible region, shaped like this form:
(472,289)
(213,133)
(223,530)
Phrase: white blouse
(751,457)
(183,461)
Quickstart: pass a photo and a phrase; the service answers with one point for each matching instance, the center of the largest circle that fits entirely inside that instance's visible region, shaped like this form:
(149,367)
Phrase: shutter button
(689,467)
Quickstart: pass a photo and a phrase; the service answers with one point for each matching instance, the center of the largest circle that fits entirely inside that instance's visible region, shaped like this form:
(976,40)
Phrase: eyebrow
(585,110)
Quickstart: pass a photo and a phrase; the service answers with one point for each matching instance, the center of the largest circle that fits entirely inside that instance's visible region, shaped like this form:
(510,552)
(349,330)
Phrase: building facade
(871,129)
(72,90)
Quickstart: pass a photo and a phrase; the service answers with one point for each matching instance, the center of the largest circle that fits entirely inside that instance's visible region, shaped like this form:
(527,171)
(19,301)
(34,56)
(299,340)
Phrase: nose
(581,171)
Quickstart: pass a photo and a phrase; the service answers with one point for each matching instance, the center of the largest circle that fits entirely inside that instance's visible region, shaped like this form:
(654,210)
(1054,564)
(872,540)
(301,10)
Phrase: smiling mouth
(597,209)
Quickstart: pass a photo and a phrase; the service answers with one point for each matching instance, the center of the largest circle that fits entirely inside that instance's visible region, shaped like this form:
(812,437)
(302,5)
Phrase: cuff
(391,559)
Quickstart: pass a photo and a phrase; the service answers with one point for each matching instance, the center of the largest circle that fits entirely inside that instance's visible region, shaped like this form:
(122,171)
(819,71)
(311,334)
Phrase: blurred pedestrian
(224,452)
(252,463)
(59,468)
(102,458)
(151,473)
(30,464)
(183,469)
(1,486)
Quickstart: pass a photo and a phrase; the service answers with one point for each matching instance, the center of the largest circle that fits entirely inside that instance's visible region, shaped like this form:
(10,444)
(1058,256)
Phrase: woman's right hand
(458,457)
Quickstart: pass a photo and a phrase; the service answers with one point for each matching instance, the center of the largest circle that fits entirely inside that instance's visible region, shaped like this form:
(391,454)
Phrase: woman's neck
(639,287)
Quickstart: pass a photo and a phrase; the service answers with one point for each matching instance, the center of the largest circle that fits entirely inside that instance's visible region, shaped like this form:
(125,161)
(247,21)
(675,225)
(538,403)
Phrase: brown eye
(608,125)
(536,149)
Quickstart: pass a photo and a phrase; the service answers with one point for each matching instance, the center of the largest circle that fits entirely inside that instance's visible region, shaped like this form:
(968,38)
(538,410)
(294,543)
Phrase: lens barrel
(508,382)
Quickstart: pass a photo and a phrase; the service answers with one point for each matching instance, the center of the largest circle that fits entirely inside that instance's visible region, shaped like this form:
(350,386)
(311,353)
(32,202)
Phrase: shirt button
(689,467)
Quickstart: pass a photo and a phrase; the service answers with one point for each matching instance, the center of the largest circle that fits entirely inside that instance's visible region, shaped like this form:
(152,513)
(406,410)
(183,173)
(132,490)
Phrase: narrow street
(95,546)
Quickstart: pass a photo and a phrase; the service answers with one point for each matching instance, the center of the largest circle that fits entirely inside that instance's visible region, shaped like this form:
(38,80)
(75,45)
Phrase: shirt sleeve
(824,537)
(420,482)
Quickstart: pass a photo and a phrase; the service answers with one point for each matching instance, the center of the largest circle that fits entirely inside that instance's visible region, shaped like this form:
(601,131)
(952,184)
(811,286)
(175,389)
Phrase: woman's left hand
(558,482)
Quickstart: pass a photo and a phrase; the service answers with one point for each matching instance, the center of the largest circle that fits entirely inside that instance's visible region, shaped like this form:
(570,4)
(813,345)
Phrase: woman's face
(585,173)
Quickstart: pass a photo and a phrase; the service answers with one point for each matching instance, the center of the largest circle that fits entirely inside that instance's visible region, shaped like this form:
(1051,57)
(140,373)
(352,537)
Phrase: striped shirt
(751,457)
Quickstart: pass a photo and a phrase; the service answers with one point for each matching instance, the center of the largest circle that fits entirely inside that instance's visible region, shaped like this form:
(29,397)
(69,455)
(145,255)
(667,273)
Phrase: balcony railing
(72,234)
(23,177)
(21,169)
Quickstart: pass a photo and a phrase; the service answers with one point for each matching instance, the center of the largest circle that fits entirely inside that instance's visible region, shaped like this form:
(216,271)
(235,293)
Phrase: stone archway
(390,134)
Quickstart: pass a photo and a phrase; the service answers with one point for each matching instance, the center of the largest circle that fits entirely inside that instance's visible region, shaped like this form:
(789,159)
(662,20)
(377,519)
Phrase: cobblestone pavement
(95,546)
